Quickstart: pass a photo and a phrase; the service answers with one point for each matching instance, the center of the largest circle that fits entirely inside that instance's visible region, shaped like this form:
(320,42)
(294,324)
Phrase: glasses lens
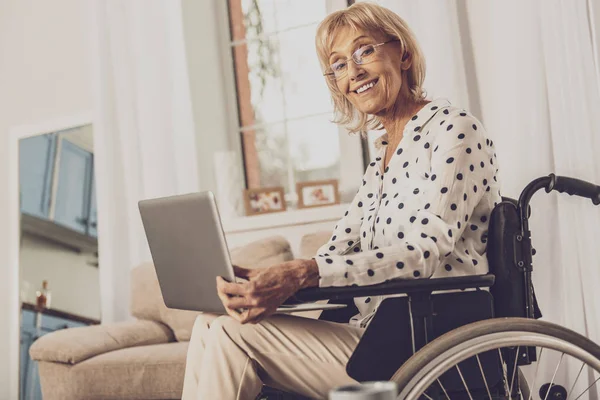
(339,68)
(363,54)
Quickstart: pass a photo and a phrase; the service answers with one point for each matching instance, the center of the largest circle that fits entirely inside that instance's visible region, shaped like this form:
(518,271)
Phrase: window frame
(350,170)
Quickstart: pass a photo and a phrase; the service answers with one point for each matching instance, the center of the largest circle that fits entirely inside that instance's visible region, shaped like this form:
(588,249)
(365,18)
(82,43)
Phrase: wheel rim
(426,377)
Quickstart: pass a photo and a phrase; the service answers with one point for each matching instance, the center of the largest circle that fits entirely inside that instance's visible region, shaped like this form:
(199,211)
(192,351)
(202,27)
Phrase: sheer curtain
(537,86)
(535,66)
(574,101)
(144,131)
(539,90)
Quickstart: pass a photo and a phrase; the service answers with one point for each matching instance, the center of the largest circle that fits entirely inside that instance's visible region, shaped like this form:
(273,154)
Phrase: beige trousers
(228,360)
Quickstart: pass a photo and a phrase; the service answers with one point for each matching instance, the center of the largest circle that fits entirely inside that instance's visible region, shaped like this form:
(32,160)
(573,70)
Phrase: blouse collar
(417,121)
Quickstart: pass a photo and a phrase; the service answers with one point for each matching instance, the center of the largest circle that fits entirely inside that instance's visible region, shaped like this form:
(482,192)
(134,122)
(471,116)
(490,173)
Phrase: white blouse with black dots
(425,216)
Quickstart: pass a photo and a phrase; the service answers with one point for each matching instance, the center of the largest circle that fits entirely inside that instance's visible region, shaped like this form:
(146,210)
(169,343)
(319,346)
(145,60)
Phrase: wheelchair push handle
(574,186)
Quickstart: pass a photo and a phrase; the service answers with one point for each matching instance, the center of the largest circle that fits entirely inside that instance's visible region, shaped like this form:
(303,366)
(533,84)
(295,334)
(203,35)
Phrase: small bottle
(43,296)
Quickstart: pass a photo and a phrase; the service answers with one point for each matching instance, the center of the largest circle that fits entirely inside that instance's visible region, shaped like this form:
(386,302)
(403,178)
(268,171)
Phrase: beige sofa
(143,358)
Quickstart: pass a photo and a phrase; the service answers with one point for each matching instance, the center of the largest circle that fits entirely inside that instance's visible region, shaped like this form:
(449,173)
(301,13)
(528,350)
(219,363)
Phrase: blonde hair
(374,18)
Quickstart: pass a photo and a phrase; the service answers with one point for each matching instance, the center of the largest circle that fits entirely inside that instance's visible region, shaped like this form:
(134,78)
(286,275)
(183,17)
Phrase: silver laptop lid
(188,248)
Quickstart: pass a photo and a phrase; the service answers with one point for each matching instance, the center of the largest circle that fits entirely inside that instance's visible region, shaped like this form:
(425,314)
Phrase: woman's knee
(202,323)
(224,323)
(226,328)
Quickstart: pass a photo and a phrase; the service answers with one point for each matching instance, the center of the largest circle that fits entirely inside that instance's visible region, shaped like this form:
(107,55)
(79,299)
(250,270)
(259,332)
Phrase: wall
(72,281)
(43,75)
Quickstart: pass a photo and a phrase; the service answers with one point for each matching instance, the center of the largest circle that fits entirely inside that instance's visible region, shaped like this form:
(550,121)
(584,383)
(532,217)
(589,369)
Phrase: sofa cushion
(143,372)
(146,298)
(262,253)
(147,301)
(311,242)
(74,345)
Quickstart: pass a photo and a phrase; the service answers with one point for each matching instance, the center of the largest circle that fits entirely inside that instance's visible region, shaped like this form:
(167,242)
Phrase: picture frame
(317,193)
(264,200)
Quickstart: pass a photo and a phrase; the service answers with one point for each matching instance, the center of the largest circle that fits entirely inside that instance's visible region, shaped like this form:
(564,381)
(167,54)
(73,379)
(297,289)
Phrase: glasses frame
(331,75)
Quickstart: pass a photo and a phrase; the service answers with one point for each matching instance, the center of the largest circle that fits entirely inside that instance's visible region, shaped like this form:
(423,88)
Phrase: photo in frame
(264,200)
(317,193)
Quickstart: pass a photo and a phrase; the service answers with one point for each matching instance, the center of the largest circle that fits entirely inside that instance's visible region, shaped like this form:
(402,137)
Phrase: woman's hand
(266,289)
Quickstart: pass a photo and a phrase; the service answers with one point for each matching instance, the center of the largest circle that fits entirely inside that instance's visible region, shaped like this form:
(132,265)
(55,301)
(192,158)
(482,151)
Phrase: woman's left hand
(266,289)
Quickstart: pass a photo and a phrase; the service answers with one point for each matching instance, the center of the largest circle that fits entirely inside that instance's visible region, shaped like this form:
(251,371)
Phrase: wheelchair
(494,347)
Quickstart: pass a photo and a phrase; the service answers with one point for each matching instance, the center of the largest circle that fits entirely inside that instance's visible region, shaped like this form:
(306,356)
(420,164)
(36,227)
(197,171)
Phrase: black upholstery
(509,288)
(388,341)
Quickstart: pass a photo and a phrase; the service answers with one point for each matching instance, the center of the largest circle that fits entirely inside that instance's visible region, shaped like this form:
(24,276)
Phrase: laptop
(189,251)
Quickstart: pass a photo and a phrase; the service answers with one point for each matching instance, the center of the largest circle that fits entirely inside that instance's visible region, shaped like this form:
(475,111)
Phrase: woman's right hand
(244,273)
(266,289)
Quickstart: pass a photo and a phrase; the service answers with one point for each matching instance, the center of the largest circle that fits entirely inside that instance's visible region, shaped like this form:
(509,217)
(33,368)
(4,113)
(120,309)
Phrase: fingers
(249,315)
(236,296)
(238,302)
(230,288)
(231,312)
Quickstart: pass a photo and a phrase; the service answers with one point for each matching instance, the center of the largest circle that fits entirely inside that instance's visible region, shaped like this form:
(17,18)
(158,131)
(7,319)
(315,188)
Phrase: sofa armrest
(74,345)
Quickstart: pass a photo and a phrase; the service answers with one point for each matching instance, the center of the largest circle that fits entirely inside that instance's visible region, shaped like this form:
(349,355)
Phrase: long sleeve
(462,168)
(345,237)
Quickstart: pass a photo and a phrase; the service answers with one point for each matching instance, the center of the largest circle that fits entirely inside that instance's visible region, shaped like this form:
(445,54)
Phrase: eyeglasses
(362,55)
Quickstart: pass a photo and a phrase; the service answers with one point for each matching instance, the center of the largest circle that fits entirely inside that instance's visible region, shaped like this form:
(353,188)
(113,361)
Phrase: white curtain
(539,90)
(144,132)
(535,65)
(573,102)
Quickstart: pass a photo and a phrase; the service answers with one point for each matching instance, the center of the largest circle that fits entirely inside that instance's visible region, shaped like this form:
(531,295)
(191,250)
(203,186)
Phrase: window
(284,106)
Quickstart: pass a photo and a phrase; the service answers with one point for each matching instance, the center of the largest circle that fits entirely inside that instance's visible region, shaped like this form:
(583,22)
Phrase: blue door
(36,167)
(73,187)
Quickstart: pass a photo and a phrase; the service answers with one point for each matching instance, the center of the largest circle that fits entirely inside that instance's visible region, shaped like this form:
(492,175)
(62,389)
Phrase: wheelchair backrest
(509,289)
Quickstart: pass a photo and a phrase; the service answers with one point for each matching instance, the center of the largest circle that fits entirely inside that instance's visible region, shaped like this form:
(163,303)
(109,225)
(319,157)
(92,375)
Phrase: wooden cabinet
(33,326)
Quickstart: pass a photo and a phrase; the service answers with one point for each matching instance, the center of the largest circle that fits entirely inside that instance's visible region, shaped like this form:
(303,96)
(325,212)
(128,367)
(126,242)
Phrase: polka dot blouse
(424,215)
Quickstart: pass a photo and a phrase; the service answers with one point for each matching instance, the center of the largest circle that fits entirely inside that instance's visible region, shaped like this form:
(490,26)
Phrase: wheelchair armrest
(396,286)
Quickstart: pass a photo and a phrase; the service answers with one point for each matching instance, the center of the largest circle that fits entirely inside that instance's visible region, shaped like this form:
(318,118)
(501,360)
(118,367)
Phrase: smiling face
(375,86)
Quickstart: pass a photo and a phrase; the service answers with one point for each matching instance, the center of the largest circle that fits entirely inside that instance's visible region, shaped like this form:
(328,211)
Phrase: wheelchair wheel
(567,367)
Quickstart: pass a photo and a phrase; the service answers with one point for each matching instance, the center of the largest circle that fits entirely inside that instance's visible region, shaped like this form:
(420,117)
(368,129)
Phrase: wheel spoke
(537,367)
(576,379)
(512,380)
(483,376)
(463,381)
(504,372)
(510,337)
(444,389)
(554,376)
(588,388)
(426,395)
(528,386)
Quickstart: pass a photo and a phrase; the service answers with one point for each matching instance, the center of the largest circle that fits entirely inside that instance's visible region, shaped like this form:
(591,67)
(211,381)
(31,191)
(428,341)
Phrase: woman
(421,211)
